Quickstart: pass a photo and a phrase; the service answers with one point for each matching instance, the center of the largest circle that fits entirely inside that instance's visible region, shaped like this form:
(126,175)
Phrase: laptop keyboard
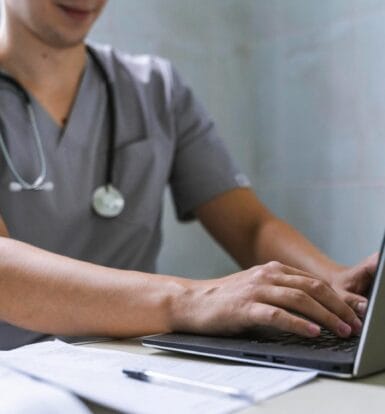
(326,341)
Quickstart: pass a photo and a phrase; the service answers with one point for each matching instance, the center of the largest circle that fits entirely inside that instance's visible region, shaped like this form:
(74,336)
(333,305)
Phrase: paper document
(97,375)
(20,394)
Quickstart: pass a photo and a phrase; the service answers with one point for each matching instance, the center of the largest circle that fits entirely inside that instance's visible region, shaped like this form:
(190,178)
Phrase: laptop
(328,354)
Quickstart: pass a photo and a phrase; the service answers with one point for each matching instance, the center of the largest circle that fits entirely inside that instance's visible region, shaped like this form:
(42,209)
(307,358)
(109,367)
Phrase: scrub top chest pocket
(142,170)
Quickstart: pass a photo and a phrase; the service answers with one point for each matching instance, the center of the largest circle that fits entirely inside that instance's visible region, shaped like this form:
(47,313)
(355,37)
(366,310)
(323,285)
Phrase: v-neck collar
(76,121)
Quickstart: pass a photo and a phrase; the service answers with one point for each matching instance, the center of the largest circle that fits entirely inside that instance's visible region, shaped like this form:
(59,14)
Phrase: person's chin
(60,41)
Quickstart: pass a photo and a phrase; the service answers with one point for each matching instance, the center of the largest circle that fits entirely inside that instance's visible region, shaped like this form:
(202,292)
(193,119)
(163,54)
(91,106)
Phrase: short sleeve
(202,167)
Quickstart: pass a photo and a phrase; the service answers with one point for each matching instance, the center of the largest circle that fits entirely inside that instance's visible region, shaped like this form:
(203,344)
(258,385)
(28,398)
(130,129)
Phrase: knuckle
(294,325)
(272,315)
(328,318)
(270,277)
(298,295)
(346,297)
(269,272)
(274,265)
(261,274)
(317,286)
(332,320)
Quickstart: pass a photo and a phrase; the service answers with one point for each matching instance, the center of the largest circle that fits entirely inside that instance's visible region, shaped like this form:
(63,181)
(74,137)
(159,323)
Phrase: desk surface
(320,396)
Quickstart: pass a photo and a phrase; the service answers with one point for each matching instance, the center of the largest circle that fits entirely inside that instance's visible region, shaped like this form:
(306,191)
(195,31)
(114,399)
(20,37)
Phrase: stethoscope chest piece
(107,201)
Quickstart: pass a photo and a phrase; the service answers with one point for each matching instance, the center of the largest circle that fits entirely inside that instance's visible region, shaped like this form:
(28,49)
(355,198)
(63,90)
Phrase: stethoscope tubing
(107,201)
(109,179)
(36,184)
(39,146)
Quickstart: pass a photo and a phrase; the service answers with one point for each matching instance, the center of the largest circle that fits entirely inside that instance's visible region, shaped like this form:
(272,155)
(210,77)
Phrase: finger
(364,273)
(299,301)
(357,302)
(277,267)
(365,279)
(267,315)
(371,263)
(328,298)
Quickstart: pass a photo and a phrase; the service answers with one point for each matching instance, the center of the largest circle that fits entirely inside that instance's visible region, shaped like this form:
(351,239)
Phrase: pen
(165,379)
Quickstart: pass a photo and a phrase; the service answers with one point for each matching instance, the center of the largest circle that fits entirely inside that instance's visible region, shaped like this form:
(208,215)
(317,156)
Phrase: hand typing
(264,295)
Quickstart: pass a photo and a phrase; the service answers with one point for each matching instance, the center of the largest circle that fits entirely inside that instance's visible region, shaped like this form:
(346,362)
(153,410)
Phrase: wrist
(183,305)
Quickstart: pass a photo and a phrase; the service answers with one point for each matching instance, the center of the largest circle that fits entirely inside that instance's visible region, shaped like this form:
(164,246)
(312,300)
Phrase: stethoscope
(107,201)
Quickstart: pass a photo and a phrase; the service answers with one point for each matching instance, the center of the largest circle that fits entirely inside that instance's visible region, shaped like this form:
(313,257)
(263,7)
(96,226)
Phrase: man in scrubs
(64,270)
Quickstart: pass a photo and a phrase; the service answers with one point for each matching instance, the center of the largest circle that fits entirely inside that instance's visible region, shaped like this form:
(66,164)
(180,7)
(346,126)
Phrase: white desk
(323,396)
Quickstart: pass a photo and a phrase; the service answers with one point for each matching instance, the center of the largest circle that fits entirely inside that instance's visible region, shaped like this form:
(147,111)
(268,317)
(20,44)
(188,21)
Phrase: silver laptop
(328,354)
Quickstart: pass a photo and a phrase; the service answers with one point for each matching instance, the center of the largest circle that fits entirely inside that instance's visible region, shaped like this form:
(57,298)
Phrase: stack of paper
(21,394)
(97,376)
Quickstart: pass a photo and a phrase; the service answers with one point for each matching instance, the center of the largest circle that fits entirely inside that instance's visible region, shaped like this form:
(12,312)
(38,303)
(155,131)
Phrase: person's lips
(75,13)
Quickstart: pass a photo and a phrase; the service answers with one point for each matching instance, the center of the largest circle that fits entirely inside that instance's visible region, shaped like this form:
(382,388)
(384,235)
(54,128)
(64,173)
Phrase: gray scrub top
(164,137)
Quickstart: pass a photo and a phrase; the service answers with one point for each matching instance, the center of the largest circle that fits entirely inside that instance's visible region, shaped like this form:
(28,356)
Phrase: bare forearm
(276,240)
(53,294)
(50,293)
(253,235)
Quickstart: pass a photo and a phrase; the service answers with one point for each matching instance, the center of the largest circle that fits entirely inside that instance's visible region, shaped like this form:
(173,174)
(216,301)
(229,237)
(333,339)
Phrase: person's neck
(52,75)
(36,65)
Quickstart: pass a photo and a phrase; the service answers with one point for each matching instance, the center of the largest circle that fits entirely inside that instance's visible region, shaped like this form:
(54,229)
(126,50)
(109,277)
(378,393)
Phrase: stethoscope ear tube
(22,183)
(17,86)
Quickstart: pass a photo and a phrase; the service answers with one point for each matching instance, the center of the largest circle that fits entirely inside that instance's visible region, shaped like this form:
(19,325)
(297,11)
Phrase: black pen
(187,384)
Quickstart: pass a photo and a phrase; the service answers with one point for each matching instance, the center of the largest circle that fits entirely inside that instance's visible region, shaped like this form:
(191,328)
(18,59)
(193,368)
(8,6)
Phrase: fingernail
(314,330)
(344,329)
(361,307)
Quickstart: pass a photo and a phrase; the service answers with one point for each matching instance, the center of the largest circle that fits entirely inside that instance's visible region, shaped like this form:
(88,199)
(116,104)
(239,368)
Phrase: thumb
(371,262)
